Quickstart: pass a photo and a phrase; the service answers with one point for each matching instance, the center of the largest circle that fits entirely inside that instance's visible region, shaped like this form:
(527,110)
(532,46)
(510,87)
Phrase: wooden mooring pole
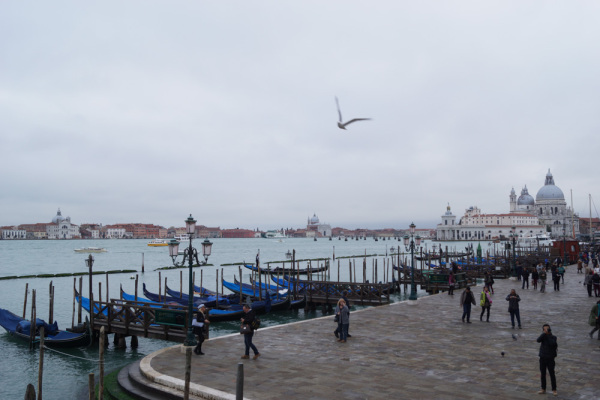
(101,377)
(41,366)
(25,302)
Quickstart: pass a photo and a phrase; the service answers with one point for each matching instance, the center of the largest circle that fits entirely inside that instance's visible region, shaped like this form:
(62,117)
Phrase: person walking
(543,281)
(547,354)
(451,283)
(525,278)
(534,278)
(343,320)
(556,279)
(485,301)
(587,282)
(561,272)
(513,307)
(198,327)
(596,283)
(466,299)
(489,281)
(594,319)
(247,319)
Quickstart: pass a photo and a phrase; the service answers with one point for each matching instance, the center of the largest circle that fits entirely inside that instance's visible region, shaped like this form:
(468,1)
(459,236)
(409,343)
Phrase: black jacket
(249,317)
(547,349)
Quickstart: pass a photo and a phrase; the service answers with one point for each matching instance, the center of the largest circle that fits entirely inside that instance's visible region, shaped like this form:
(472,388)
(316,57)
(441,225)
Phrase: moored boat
(158,243)
(53,337)
(91,250)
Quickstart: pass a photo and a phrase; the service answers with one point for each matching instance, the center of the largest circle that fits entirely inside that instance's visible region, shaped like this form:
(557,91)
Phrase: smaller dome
(525,199)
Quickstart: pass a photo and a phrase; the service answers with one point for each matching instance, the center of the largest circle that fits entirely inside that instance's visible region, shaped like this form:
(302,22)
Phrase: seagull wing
(356,119)
(337,103)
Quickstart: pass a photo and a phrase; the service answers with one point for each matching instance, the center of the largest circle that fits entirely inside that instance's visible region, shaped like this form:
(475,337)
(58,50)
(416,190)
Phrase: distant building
(12,232)
(315,228)
(548,213)
(113,232)
(237,233)
(62,228)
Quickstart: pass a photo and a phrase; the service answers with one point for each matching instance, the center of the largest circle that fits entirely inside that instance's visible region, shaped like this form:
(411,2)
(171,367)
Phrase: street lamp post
(411,242)
(564,257)
(513,235)
(190,253)
(89,262)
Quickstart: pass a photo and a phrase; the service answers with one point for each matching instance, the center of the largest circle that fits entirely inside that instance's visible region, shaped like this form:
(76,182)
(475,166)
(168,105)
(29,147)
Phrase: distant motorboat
(158,243)
(91,250)
(183,238)
(274,235)
(535,240)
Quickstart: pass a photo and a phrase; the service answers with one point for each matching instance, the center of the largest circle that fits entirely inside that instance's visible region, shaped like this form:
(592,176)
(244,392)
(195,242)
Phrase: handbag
(245,329)
(336,318)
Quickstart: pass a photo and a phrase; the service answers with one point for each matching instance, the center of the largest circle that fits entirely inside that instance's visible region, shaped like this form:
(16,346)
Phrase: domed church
(551,208)
(547,213)
(62,228)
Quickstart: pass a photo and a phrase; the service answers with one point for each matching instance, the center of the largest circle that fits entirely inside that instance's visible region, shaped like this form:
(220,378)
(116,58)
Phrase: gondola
(249,291)
(214,314)
(208,301)
(53,337)
(253,285)
(183,299)
(288,271)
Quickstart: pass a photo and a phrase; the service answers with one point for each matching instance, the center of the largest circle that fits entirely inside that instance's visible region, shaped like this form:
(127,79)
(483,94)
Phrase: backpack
(255,324)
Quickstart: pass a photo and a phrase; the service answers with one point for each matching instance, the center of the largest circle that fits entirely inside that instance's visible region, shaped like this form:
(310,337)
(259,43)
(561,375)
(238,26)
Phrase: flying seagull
(342,125)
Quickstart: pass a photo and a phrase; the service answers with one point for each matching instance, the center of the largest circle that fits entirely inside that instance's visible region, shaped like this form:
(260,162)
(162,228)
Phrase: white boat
(534,241)
(158,243)
(274,235)
(183,238)
(91,250)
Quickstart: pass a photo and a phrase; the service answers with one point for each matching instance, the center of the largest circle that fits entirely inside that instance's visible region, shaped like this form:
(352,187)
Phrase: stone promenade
(407,350)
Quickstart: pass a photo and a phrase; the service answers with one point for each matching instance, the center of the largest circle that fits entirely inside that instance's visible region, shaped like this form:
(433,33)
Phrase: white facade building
(315,228)
(551,208)
(14,233)
(114,233)
(62,228)
(547,213)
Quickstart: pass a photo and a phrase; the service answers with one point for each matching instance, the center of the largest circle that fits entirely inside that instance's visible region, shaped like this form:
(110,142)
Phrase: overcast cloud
(147,111)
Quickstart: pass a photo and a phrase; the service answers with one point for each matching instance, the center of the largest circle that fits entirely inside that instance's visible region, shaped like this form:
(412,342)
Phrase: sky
(148,111)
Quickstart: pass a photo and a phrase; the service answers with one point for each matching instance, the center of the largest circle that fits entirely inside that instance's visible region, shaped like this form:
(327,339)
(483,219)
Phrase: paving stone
(420,351)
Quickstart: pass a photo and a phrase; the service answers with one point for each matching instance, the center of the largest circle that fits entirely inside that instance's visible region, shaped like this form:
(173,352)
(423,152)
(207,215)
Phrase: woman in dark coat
(249,317)
(513,307)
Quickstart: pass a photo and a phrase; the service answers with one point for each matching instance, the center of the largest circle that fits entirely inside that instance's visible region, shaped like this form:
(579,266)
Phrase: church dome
(314,220)
(58,218)
(549,191)
(525,199)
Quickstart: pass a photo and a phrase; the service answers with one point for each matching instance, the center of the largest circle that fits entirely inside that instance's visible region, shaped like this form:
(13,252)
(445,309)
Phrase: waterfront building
(208,232)
(315,228)
(547,214)
(62,228)
(551,208)
(113,232)
(12,232)
(237,233)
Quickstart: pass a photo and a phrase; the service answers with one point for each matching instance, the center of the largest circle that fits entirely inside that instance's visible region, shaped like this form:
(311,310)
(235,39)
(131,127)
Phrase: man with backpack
(547,354)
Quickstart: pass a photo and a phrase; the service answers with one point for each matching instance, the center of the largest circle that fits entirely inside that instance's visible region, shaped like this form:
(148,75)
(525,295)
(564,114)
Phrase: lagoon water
(66,375)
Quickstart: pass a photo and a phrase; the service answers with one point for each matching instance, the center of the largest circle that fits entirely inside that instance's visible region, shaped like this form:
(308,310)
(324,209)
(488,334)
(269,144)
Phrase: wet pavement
(412,350)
